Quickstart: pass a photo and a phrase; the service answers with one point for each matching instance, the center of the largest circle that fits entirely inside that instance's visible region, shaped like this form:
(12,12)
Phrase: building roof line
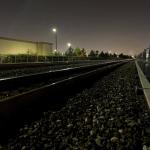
(20,40)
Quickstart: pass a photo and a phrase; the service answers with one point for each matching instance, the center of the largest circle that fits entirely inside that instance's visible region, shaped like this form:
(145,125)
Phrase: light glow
(54,30)
(69,44)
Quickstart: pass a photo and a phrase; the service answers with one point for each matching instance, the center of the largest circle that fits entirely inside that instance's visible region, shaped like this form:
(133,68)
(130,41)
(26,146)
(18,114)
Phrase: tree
(124,56)
(114,55)
(92,54)
(83,52)
(96,53)
(69,52)
(101,55)
(77,52)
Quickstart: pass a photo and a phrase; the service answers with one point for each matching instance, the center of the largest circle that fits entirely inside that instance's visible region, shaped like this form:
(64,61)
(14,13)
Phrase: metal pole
(15,58)
(56,40)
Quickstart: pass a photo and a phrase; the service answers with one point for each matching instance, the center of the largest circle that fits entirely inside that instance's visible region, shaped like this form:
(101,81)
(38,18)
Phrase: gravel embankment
(108,116)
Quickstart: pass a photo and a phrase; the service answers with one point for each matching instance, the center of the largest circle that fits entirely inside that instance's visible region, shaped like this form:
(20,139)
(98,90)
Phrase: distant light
(147,53)
(69,44)
(54,30)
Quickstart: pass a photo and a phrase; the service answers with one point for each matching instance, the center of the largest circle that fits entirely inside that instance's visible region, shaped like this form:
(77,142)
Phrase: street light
(70,49)
(69,45)
(55,31)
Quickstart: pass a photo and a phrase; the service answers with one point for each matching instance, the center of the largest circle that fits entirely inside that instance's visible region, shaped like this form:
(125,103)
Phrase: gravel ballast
(108,116)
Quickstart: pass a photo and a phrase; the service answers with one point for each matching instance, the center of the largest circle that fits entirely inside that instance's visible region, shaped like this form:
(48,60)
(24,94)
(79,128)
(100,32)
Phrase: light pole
(55,31)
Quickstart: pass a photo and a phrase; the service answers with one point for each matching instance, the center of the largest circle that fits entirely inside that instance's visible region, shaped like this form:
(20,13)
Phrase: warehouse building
(9,46)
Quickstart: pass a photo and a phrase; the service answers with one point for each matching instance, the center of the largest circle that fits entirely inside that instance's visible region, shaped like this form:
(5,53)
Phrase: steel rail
(25,80)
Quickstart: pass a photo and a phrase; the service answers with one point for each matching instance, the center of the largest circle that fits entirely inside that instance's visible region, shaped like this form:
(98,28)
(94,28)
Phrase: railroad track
(14,70)
(11,66)
(25,81)
(16,109)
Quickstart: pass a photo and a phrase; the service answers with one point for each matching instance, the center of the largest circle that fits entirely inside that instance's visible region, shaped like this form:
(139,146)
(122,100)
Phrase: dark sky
(116,25)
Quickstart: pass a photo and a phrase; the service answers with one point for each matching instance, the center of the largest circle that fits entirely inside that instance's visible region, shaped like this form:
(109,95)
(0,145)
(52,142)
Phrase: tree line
(94,54)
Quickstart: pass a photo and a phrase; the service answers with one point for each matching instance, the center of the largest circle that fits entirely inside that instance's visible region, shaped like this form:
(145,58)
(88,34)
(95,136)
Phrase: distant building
(146,54)
(10,46)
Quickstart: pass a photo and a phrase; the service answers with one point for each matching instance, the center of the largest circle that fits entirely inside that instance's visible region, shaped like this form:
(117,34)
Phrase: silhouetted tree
(83,52)
(92,55)
(114,55)
(77,52)
(124,56)
(101,55)
(69,52)
(96,53)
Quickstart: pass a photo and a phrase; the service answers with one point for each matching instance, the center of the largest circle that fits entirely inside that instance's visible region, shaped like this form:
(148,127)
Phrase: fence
(33,58)
(36,59)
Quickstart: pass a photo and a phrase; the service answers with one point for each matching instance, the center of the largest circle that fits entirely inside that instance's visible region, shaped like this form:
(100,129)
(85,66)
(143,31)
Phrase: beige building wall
(13,47)
(44,48)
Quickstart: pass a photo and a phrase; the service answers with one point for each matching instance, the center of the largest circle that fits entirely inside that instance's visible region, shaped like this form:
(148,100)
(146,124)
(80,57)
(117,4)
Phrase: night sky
(116,25)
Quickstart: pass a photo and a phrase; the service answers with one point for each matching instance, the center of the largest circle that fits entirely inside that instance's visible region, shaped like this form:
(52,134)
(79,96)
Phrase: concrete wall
(12,47)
